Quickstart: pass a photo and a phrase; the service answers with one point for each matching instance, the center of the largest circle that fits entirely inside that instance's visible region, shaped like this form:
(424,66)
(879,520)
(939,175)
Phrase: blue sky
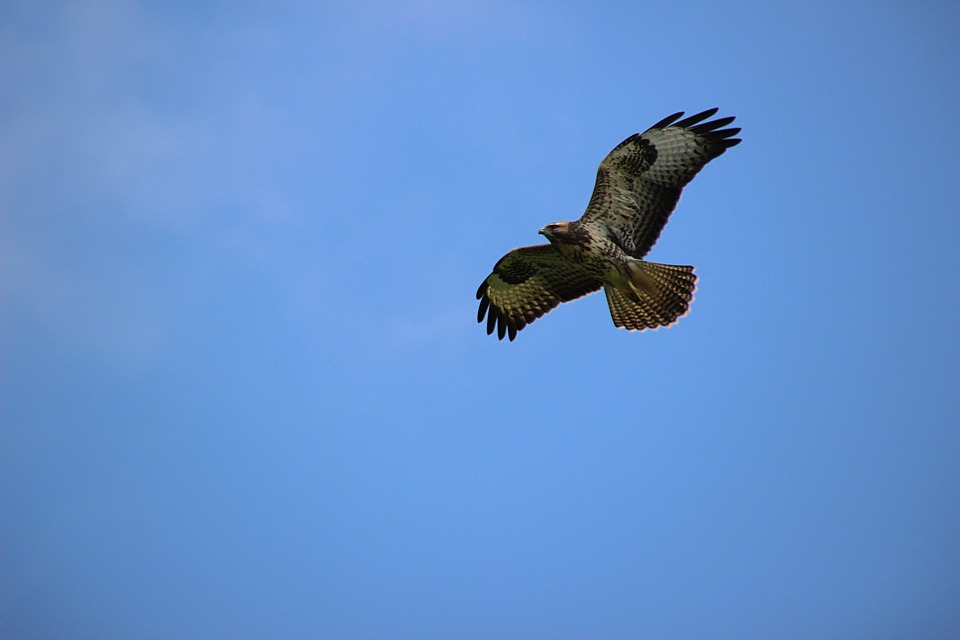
(242,389)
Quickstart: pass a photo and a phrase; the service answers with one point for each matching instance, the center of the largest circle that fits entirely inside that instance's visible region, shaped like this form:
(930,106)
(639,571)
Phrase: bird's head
(556,231)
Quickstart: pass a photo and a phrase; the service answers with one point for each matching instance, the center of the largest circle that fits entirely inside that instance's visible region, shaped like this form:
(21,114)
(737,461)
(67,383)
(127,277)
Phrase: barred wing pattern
(639,182)
(527,283)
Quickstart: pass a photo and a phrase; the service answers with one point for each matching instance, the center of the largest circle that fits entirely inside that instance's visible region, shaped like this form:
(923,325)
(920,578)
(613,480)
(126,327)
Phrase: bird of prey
(638,186)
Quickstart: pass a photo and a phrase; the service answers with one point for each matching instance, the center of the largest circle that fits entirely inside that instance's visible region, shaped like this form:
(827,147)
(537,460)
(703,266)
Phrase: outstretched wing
(639,182)
(527,283)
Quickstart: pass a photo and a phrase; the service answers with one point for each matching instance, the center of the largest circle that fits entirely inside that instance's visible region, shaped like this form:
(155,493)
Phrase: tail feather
(658,296)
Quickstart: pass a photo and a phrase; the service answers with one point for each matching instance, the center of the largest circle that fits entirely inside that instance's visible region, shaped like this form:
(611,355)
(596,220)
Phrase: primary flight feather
(638,186)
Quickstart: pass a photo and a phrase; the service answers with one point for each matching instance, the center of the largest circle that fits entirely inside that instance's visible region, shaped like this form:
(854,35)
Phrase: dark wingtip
(718,139)
(484,305)
(696,118)
(725,133)
(666,122)
(713,125)
(496,320)
(491,320)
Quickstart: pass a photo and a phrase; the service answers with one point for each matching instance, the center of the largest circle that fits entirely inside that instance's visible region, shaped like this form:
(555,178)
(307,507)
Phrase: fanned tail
(658,296)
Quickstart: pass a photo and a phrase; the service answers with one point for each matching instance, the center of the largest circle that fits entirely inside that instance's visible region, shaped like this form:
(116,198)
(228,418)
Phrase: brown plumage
(638,186)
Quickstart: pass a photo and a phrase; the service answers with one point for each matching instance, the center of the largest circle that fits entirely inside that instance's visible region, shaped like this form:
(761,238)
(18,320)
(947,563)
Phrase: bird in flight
(638,186)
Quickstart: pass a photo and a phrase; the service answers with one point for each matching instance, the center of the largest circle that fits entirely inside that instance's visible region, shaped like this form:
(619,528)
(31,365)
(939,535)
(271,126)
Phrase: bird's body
(638,186)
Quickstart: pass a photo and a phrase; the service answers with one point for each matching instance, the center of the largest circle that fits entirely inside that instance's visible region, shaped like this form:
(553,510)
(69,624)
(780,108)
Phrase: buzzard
(638,186)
